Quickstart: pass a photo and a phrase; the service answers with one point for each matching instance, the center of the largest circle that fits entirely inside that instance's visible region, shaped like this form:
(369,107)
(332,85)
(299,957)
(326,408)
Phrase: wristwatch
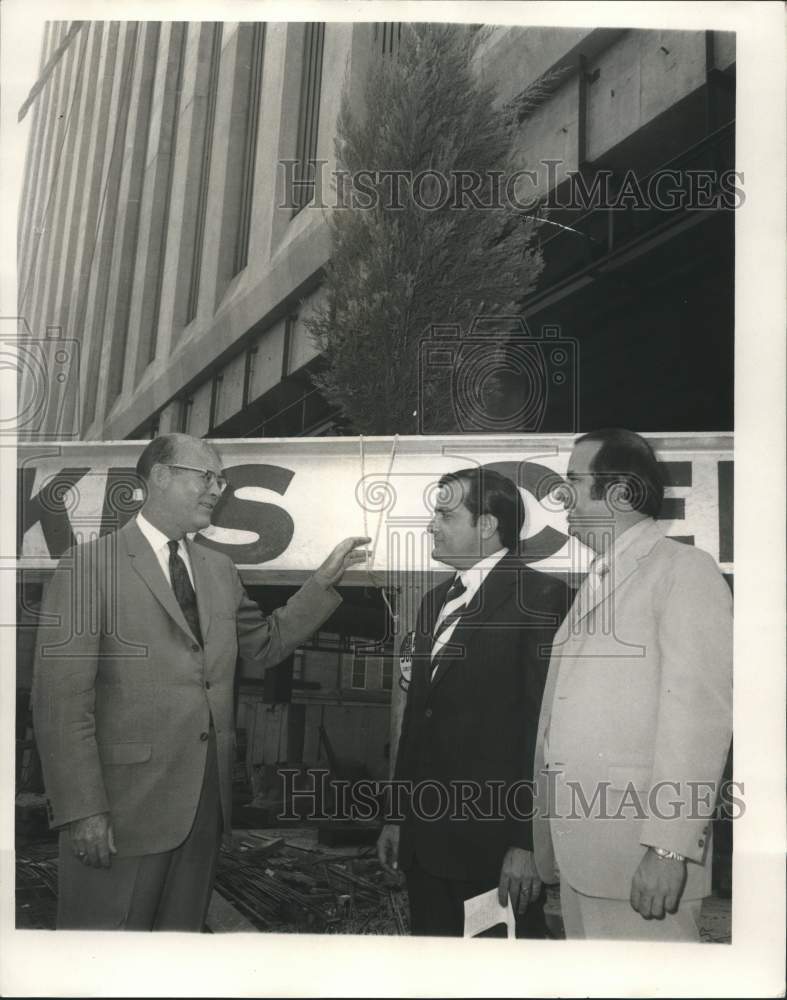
(665,855)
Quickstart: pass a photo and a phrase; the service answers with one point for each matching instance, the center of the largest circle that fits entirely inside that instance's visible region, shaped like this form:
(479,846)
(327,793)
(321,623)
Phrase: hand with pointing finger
(343,556)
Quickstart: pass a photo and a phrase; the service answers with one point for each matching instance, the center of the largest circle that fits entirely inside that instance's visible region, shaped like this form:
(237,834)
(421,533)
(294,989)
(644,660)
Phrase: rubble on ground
(285,881)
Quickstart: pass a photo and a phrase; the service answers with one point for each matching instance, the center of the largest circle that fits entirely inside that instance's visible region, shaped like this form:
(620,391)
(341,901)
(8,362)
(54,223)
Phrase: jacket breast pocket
(125,753)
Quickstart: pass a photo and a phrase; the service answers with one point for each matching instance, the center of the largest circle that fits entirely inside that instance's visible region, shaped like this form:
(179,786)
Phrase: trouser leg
(192,868)
(93,898)
(434,909)
(437,906)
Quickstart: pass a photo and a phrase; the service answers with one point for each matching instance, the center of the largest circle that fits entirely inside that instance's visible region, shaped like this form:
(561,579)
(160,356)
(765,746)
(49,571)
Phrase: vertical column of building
(83,240)
(267,192)
(34,220)
(32,160)
(51,310)
(249,86)
(309,114)
(28,403)
(154,212)
(300,74)
(121,277)
(226,245)
(104,245)
(50,252)
(75,193)
(184,182)
(182,264)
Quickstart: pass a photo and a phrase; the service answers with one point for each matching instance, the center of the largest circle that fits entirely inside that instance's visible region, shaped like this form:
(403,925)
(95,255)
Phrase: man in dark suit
(480,657)
(133,697)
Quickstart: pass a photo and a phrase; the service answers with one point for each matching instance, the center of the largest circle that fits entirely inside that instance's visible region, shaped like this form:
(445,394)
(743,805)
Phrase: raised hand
(343,556)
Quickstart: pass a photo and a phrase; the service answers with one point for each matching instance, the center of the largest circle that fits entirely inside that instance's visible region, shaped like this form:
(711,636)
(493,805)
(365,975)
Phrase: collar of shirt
(601,564)
(157,539)
(159,542)
(475,575)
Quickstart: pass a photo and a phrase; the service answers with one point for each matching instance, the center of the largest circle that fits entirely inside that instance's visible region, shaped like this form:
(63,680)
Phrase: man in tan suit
(637,711)
(133,697)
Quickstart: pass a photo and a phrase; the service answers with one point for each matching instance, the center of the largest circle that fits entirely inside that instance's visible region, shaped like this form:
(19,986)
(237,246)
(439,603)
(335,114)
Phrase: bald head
(166,449)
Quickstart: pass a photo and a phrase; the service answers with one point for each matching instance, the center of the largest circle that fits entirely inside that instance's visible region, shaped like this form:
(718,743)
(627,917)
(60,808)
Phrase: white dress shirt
(160,545)
(472,578)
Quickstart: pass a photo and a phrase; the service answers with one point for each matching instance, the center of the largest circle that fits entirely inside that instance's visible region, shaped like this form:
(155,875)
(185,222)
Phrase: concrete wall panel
(511,59)
(200,411)
(267,362)
(231,396)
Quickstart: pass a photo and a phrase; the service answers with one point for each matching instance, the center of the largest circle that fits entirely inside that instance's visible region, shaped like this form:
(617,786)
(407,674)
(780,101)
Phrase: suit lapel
(422,644)
(146,565)
(621,568)
(203,583)
(499,585)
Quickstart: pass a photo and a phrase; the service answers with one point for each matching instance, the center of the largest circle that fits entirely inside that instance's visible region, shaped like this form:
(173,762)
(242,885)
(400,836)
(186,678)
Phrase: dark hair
(626,458)
(160,450)
(485,491)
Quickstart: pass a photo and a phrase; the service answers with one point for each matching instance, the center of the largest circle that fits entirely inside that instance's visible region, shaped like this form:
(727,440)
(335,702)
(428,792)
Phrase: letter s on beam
(272,525)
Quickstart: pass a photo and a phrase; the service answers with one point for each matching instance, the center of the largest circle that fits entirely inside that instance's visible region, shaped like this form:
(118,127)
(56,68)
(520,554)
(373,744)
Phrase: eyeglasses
(208,476)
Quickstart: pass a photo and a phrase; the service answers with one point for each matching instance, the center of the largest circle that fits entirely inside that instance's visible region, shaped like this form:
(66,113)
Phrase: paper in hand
(485,911)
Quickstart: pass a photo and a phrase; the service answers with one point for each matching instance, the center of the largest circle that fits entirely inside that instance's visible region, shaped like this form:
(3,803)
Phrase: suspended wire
(371,554)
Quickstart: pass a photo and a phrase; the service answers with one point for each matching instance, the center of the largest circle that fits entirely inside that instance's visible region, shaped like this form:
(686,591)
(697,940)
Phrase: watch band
(665,855)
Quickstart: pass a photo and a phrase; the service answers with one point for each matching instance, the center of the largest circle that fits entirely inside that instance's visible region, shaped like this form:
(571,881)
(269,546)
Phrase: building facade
(167,230)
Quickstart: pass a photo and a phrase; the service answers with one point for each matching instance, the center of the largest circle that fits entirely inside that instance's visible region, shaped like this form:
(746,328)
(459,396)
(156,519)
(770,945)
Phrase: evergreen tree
(397,267)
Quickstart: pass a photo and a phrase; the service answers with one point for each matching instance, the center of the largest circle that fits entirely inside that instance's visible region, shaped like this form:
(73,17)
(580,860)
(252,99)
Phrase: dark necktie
(184,592)
(453,606)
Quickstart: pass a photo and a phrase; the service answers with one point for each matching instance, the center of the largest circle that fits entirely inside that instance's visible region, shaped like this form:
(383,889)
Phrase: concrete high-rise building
(162,236)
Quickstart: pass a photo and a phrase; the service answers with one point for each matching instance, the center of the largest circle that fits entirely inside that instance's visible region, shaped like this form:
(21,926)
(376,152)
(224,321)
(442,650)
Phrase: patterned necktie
(184,592)
(451,612)
(595,587)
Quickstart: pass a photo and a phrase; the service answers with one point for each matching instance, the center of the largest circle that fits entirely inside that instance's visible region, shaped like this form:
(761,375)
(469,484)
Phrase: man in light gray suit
(637,710)
(133,697)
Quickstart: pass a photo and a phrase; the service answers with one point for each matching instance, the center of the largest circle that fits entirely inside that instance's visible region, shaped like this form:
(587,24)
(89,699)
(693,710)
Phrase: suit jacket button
(203,736)
(195,647)
(207,685)
(428,713)
(700,842)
